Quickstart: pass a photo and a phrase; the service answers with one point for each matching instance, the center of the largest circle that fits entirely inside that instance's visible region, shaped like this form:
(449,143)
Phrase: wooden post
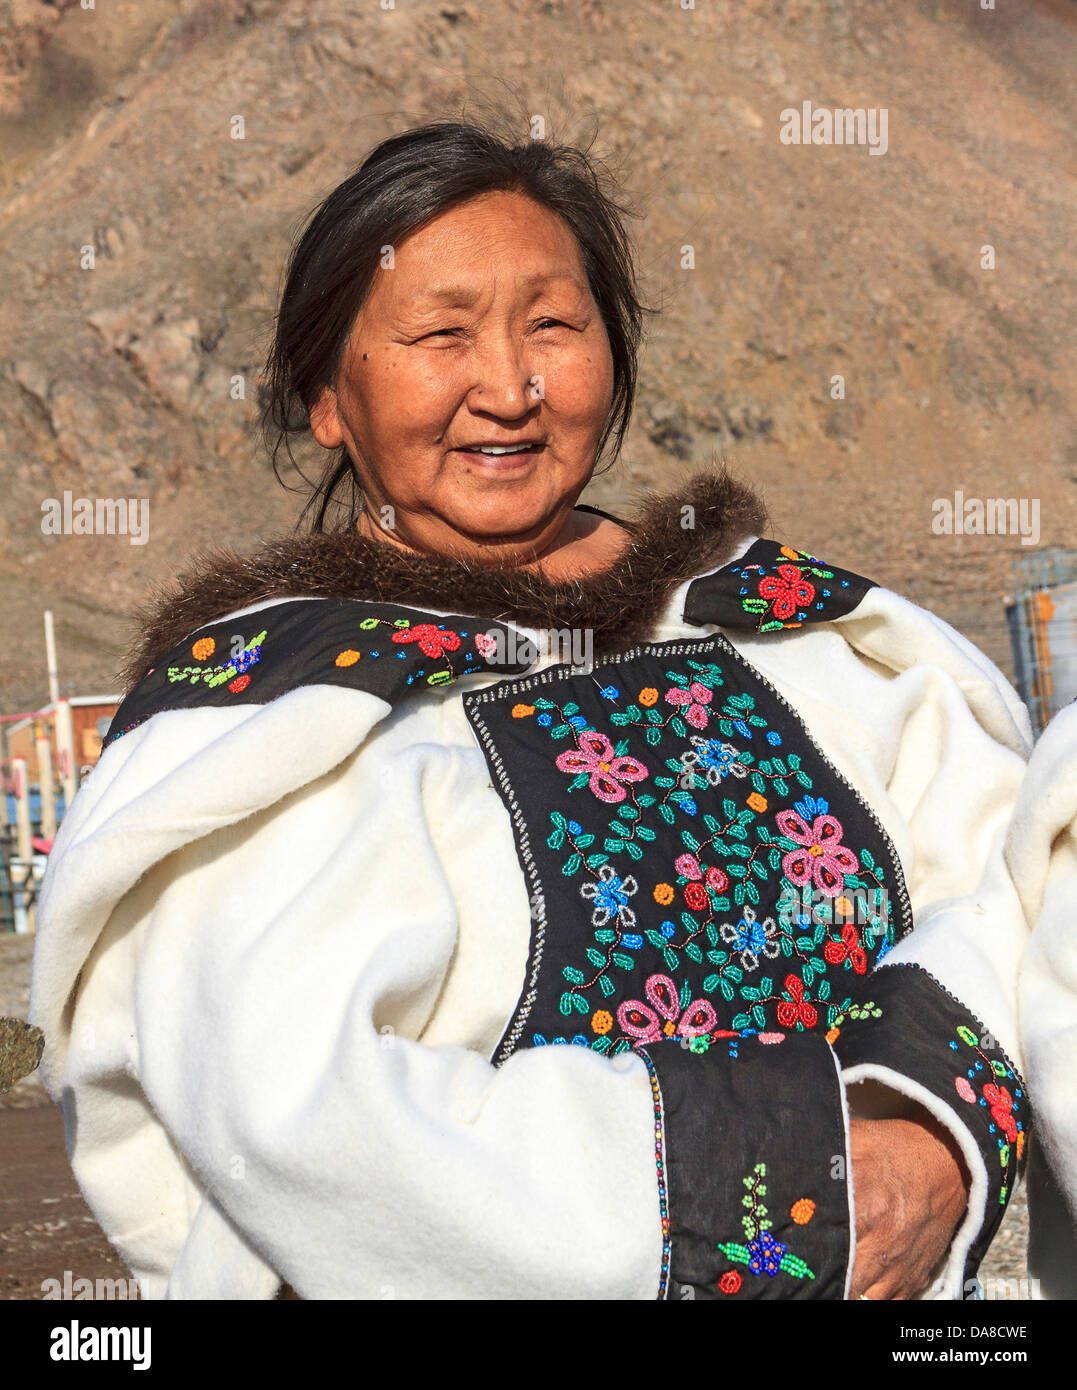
(45,782)
(50,657)
(65,748)
(22,866)
(23,834)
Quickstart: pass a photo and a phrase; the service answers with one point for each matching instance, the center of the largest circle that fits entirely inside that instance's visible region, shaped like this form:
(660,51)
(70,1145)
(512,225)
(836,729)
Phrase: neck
(584,544)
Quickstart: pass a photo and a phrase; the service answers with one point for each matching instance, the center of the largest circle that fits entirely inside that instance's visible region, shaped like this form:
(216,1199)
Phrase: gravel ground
(16,953)
(39,1184)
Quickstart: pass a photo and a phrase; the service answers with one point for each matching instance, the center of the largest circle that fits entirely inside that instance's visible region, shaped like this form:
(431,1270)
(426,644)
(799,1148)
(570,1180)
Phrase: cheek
(406,398)
(579,385)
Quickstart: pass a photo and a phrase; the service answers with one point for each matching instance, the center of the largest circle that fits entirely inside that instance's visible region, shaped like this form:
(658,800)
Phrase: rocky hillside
(810,262)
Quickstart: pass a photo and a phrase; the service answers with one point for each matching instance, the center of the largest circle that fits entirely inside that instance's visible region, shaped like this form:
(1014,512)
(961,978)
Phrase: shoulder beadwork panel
(771,587)
(382,648)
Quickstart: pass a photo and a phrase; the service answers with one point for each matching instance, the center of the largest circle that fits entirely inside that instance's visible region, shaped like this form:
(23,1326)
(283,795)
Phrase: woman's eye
(554,323)
(438,331)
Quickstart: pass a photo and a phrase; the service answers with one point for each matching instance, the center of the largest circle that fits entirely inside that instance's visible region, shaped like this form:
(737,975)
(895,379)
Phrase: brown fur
(619,605)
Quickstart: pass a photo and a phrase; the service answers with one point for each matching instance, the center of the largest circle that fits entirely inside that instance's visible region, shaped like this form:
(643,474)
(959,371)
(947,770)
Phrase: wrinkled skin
(910,1186)
(518,351)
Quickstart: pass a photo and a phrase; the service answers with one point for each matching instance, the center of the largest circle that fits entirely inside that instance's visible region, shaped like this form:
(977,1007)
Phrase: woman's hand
(910,1187)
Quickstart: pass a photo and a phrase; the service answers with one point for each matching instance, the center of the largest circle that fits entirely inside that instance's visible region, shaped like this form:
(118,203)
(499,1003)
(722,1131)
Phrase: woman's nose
(504,384)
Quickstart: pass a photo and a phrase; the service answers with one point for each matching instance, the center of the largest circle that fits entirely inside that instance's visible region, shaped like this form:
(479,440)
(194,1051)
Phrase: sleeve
(1041,850)
(293,997)
(936,1023)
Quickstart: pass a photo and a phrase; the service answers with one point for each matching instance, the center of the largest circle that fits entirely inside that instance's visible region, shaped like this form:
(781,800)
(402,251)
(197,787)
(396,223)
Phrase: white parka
(288,933)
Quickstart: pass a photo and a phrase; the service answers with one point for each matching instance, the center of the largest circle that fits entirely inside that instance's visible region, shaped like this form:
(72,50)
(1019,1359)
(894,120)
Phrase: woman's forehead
(461,294)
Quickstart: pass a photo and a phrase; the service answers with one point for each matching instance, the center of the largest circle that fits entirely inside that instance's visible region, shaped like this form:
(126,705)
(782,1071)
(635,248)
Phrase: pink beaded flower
(645,1024)
(697,697)
(821,856)
(595,756)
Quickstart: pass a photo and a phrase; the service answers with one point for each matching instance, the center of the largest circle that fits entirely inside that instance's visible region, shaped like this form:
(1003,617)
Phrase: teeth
(499,449)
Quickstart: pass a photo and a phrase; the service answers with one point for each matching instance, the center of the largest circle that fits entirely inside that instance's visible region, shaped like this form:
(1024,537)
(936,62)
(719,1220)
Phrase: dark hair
(403,183)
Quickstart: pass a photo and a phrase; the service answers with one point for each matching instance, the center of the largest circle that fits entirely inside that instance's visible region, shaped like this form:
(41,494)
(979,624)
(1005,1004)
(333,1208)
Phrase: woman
(484,897)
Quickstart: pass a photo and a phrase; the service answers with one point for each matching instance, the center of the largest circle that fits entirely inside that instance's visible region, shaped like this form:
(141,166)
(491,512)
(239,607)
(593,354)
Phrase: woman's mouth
(502,456)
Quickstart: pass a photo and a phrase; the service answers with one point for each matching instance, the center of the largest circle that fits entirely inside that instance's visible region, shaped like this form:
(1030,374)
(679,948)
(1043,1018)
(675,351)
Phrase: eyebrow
(462,296)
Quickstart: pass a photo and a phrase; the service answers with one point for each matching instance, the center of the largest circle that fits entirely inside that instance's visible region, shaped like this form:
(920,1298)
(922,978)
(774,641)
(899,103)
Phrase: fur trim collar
(619,605)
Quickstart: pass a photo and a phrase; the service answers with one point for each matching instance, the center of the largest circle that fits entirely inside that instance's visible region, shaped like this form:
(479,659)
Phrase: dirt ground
(47,1228)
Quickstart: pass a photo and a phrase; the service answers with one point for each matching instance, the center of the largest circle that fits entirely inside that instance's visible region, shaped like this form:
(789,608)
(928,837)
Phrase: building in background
(91,716)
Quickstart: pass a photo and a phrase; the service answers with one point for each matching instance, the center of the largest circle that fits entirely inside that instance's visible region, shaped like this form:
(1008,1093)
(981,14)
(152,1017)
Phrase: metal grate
(1043,631)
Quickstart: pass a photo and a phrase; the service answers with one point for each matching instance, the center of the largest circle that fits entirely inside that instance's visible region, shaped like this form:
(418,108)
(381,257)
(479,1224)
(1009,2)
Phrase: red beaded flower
(787,590)
(433,641)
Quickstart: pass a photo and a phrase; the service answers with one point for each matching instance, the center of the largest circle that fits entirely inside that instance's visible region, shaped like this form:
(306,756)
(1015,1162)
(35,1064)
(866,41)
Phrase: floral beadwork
(763,1253)
(771,587)
(707,843)
(800,845)
(384,649)
(991,1084)
(595,763)
(224,671)
(780,594)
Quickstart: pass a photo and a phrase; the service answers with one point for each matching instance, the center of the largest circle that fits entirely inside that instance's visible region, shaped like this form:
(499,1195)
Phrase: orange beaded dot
(348,657)
(648,696)
(802,1211)
(663,894)
(602,1021)
(522,711)
(203,649)
(757,802)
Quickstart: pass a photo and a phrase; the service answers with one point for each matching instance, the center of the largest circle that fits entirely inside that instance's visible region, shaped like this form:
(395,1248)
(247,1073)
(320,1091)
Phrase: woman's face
(483,332)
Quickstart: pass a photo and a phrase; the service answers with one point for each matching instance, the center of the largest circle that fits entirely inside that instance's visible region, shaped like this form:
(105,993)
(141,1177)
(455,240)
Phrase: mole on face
(364,356)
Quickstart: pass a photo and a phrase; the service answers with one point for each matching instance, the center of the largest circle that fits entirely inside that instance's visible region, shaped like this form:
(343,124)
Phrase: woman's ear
(325,419)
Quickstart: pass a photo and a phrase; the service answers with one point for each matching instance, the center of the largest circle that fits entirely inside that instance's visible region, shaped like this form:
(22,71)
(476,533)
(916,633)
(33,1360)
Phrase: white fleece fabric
(1041,850)
(278,945)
